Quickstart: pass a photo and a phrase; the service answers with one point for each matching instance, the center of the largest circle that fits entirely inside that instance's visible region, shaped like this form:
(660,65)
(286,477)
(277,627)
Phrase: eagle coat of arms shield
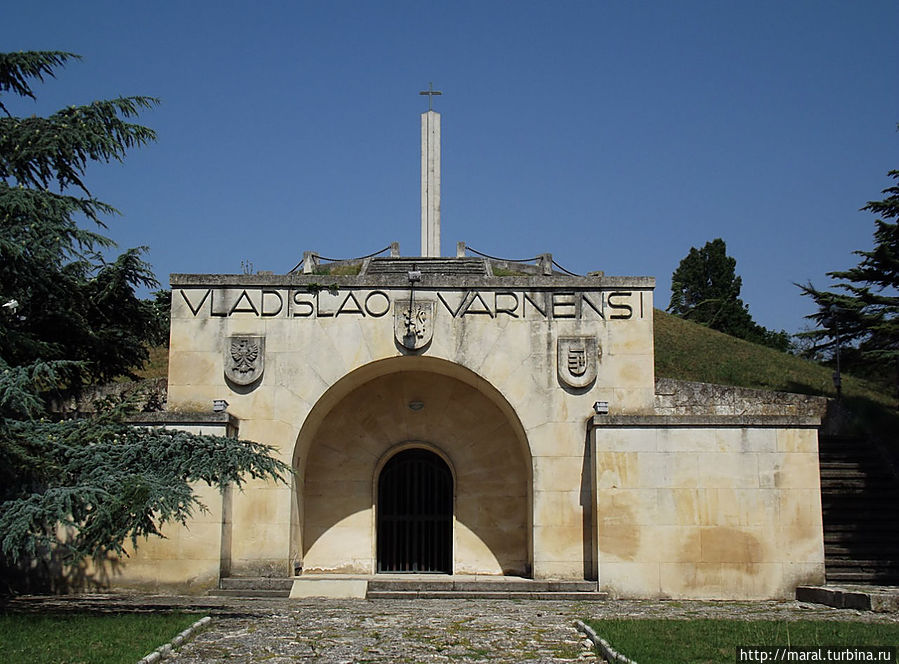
(576,360)
(244,359)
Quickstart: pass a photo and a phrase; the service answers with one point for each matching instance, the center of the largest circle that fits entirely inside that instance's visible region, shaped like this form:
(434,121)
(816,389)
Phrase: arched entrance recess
(412,402)
(415,513)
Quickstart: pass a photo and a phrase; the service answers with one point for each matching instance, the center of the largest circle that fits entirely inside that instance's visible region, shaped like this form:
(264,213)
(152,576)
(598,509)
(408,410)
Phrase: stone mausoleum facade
(469,416)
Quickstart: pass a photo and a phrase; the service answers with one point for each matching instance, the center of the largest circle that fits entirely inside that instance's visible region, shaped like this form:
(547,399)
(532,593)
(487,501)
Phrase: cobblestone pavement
(426,631)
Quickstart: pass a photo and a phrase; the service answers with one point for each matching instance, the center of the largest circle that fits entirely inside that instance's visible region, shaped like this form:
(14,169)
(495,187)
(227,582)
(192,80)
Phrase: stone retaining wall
(682,397)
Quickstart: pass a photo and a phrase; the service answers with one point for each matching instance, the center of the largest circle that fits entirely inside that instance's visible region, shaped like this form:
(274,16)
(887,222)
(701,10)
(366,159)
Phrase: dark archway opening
(415,514)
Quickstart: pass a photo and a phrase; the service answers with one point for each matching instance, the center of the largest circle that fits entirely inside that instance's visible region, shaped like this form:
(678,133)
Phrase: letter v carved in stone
(195,309)
(449,308)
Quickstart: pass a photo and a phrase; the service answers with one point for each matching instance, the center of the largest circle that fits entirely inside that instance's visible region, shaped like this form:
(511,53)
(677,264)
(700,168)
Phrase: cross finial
(430,92)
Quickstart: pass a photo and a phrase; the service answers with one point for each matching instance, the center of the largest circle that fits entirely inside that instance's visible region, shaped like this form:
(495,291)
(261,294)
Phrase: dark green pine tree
(68,316)
(69,303)
(705,289)
(863,310)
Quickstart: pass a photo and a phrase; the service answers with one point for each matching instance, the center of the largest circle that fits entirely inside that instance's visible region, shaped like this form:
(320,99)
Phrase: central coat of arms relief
(413,323)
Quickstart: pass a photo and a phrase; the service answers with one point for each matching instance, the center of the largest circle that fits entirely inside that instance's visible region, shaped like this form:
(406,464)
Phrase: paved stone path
(425,631)
(358,631)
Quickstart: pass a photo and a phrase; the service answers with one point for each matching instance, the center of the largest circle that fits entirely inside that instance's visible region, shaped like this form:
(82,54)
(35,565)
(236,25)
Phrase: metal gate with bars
(415,513)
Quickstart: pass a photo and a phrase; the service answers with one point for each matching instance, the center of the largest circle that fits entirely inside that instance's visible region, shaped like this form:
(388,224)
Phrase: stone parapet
(721,421)
(149,394)
(400,279)
(687,398)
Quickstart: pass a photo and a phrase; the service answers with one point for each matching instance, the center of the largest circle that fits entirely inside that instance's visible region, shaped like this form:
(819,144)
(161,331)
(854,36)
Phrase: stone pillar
(430,183)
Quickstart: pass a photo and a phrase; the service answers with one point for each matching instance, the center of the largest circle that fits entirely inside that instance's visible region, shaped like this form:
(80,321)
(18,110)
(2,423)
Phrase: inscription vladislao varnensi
(244,359)
(576,360)
(458,304)
(413,323)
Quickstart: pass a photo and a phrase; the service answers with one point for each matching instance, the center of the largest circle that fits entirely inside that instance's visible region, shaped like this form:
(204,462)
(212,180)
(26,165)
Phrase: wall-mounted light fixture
(219,406)
(416,405)
(601,408)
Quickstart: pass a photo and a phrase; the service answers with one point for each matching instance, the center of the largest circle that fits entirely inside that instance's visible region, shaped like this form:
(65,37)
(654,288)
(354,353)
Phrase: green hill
(688,351)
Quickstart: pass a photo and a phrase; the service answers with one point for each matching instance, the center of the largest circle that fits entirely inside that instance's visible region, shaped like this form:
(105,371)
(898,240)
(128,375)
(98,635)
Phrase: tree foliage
(106,482)
(863,309)
(70,302)
(705,289)
(69,315)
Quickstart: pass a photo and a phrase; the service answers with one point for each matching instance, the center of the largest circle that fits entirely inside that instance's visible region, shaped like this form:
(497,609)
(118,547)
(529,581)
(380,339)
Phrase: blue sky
(615,135)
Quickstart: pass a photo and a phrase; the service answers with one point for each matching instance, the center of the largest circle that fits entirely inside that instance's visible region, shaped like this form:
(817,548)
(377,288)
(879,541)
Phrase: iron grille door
(415,512)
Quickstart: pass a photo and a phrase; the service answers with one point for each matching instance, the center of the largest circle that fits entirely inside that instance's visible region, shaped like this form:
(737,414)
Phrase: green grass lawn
(702,640)
(86,638)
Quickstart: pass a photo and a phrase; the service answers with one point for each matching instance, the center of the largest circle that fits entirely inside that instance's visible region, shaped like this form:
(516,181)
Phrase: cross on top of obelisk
(430,92)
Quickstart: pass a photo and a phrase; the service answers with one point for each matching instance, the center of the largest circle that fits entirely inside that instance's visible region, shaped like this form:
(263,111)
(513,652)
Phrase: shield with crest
(413,323)
(244,359)
(577,360)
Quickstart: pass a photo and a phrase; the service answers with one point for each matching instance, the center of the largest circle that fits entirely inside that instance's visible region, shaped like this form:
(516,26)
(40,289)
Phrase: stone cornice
(428,281)
(183,418)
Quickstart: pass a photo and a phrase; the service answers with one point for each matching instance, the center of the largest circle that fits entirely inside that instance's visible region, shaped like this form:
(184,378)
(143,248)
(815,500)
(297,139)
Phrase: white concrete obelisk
(430,178)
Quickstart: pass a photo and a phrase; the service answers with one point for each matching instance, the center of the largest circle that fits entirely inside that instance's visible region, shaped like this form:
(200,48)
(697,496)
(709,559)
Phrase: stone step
(836,486)
(249,593)
(487,594)
(884,545)
(859,514)
(845,472)
(415,586)
(861,526)
(872,465)
(861,505)
(828,453)
(888,544)
(478,586)
(860,563)
(836,553)
(883,495)
(255,582)
(855,526)
(862,501)
(872,578)
(253,586)
(858,449)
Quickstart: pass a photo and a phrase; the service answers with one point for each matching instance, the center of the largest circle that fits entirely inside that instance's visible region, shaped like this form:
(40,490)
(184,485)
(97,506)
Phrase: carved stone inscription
(244,359)
(301,304)
(576,361)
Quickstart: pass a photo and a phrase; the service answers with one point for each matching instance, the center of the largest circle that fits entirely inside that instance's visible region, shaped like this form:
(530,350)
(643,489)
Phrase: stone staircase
(421,587)
(428,265)
(860,506)
(481,588)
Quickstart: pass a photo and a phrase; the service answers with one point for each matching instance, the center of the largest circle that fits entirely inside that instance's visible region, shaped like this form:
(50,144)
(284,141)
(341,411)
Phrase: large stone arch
(413,401)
